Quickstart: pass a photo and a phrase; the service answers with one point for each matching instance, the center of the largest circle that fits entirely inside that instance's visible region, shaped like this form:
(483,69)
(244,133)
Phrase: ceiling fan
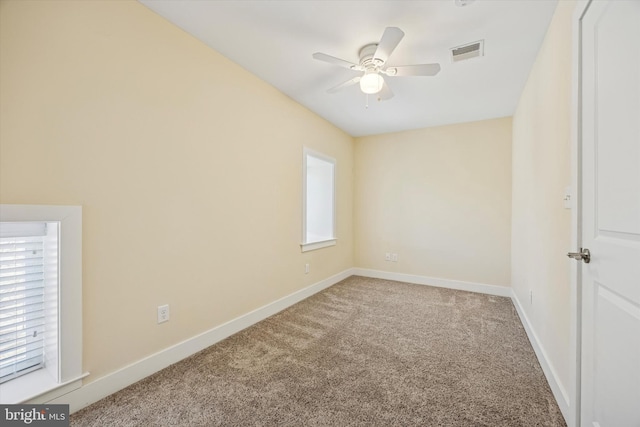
(373,63)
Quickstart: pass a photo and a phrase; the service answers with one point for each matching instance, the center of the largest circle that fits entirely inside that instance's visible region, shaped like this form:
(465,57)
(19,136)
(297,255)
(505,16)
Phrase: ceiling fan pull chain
(366,105)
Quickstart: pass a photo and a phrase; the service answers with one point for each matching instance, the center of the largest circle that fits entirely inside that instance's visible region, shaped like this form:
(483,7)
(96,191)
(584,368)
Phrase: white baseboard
(111,383)
(482,288)
(561,395)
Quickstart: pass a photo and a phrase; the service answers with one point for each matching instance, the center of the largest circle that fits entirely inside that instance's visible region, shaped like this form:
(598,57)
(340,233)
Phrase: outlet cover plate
(163,313)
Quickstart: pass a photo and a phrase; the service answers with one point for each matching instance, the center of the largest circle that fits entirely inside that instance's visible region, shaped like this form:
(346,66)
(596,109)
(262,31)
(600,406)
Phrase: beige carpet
(364,352)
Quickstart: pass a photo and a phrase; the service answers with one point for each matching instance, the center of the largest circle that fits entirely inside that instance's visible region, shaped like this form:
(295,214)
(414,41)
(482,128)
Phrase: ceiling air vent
(467,51)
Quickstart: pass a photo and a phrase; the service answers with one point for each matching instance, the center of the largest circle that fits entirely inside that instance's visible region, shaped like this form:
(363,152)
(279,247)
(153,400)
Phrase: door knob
(583,255)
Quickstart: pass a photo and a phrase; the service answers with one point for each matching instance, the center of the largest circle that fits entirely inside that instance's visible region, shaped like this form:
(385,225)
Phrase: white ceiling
(275,40)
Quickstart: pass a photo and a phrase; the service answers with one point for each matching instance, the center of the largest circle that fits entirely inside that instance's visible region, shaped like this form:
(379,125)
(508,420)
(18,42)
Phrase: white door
(610,164)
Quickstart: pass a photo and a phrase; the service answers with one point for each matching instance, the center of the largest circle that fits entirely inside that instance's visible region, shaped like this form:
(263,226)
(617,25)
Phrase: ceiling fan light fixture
(373,63)
(371,82)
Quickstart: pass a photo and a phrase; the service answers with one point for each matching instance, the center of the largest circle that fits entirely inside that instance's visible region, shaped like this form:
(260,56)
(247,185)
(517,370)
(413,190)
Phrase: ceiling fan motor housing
(366,57)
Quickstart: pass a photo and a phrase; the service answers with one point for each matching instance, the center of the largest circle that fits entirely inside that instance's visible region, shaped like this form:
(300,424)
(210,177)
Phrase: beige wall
(541,171)
(440,198)
(188,169)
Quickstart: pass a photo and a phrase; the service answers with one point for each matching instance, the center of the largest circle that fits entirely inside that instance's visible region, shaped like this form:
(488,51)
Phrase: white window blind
(22,298)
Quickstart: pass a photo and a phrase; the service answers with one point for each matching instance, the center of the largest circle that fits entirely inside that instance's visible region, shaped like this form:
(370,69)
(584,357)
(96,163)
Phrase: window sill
(306,247)
(36,387)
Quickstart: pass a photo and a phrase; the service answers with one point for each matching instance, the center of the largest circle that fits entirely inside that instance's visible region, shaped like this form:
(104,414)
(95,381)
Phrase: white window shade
(22,298)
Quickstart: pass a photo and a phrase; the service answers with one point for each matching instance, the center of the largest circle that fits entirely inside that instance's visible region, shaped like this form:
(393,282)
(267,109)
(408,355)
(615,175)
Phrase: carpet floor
(365,352)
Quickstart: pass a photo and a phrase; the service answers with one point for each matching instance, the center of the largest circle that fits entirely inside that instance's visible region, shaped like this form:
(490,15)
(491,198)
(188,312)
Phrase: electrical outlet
(306,268)
(163,313)
(387,256)
(394,257)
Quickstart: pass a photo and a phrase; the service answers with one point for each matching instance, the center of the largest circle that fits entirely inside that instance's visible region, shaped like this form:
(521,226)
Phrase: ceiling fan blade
(342,85)
(336,61)
(413,70)
(385,93)
(390,39)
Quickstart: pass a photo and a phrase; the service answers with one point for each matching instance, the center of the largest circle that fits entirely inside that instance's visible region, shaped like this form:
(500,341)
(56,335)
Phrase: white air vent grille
(467,51)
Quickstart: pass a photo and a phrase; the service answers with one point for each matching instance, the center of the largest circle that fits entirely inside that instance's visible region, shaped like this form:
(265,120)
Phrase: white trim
(56,391)
(103,387)
(111,383)
(572,416)
(306,247)
(503,291)
(561,395)
(317,245)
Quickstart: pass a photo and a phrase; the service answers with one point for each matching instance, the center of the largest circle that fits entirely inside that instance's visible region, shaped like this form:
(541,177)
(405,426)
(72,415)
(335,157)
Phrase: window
(26,250)
(40,302)
(318,222)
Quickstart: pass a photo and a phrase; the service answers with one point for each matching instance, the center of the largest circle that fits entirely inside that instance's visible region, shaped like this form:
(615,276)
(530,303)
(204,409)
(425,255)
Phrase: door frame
(575,352)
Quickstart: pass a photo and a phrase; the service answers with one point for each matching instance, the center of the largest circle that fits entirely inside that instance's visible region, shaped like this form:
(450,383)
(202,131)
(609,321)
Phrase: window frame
(332,240)
(43,385)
